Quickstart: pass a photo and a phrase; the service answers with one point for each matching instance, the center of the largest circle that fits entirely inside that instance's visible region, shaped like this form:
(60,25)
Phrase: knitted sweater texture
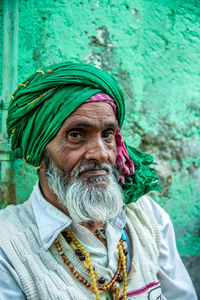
(44,275)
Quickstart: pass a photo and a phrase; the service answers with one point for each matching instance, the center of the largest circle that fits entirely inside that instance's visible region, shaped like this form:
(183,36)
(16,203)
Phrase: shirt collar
(51,221)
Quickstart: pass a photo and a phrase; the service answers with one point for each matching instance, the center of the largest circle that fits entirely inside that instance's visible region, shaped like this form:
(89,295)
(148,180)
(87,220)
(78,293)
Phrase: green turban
(41,104)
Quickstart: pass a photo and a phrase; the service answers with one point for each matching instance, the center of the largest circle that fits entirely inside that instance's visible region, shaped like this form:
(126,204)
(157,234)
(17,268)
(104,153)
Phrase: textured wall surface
(1,49)
(152,48)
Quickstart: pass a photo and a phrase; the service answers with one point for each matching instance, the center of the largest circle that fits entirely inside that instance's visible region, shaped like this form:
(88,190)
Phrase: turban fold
(41,104)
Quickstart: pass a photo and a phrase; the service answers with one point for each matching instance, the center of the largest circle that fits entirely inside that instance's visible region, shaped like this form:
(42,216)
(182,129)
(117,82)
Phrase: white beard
(84,203)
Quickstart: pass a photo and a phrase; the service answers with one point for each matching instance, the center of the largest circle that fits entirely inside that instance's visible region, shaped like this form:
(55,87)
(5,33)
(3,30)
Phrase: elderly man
(88,231)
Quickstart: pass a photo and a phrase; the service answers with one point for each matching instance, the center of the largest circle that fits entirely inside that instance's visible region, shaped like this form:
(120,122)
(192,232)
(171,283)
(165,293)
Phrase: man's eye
(75,135)
(108,134)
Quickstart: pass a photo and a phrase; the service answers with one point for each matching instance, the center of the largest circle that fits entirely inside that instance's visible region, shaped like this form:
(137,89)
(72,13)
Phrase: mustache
(84,167)
(96,166)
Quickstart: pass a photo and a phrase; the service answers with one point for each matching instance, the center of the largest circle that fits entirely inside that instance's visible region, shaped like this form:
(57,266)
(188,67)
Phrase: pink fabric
(124,164)
(141,290)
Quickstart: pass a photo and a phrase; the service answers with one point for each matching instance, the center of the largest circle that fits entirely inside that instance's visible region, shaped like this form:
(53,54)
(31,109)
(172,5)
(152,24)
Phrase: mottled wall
(1,47)
(152,48)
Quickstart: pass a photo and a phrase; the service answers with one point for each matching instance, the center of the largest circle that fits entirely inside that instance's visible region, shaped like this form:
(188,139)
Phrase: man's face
(79,165)
(87,136)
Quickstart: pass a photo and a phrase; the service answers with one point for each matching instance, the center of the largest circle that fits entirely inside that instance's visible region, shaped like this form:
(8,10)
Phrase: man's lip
(93,172)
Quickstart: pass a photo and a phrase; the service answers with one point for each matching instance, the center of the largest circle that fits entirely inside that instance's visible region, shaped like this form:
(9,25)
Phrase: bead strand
(89,263)
(109,285)
(125,280)
(87,257)
(84,256)
(71,267)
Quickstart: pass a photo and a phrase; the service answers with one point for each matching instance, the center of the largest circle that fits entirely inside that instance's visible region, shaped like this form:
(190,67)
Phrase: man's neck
(93,226)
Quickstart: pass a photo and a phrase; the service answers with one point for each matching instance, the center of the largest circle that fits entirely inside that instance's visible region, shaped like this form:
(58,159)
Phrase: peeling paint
(7,194)
(102,53)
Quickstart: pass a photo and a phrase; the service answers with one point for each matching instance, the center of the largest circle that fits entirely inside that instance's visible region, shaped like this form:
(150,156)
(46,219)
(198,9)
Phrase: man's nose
(97,151)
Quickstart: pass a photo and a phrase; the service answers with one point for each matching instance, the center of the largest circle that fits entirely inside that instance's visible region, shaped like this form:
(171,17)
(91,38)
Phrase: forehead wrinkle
(82,119)
(98,109)
(91,125)
(91,113)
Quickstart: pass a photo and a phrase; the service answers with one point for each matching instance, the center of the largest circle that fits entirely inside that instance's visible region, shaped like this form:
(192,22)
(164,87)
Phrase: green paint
(152,48)
(1,50)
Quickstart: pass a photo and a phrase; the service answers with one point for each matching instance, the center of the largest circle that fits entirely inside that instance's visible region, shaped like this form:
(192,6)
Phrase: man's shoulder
(151,211)
(144,203)
(141,217)
(12,208)
(13,214)
(147,203)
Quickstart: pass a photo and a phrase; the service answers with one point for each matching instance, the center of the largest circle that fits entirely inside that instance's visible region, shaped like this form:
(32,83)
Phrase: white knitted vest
(44,275)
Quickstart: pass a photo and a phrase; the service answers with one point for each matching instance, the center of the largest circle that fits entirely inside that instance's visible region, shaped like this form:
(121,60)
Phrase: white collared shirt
(174,279)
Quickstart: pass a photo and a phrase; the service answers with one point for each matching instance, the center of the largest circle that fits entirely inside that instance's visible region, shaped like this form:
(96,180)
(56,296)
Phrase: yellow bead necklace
(113,286)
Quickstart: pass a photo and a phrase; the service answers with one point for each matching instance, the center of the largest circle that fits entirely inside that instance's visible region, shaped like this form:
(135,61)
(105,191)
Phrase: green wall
(153,50)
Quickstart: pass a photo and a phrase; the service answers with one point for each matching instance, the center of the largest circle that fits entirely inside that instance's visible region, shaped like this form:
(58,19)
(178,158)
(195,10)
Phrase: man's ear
(42,164)
(42,167)
(42,171)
